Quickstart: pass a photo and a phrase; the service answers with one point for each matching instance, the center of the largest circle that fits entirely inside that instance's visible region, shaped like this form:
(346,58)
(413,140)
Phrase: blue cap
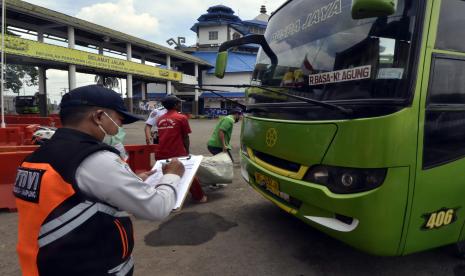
(97,95)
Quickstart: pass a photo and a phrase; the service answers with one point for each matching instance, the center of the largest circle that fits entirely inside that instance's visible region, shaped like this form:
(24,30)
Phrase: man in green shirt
(221,137)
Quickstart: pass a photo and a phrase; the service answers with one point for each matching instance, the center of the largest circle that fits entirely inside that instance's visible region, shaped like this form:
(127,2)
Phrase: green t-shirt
(226,125)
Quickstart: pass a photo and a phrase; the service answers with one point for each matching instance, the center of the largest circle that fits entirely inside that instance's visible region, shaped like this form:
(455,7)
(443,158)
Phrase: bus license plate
(270,184)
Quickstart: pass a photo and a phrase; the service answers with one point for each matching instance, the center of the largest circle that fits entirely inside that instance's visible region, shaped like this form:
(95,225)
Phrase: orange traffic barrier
(11,156)
(9,162)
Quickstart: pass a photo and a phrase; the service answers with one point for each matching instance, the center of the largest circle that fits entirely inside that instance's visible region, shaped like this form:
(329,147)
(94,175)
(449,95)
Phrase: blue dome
(220,8)
(218,14)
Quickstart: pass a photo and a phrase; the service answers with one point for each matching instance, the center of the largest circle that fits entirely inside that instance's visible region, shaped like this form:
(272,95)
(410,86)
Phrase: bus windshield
(325,55)
(25,101)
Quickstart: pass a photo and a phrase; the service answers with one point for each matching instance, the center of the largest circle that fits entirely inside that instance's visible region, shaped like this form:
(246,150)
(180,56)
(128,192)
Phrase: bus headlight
(341,180)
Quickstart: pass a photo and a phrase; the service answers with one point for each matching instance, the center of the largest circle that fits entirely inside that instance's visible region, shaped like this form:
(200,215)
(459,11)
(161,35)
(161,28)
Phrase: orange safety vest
(61,231)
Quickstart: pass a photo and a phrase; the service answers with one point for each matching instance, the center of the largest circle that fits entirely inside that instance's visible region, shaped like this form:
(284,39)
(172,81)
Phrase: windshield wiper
(304,99)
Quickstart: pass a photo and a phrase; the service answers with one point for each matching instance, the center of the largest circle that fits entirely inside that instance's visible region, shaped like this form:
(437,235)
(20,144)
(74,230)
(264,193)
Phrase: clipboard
(191,164)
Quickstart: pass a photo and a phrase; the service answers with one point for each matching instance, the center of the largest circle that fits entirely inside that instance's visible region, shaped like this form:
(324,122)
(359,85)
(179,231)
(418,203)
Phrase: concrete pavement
(239,233)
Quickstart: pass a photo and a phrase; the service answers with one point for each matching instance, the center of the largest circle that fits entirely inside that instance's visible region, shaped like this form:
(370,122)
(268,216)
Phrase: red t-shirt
(172,128)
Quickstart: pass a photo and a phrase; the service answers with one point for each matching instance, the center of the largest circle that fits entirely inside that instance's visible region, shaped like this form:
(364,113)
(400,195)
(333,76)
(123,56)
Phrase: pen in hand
(186,158)
(174,166)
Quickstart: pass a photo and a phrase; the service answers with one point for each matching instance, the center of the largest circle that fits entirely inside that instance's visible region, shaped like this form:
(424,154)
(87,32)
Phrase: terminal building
(52,40)
(218,25)
(49,39)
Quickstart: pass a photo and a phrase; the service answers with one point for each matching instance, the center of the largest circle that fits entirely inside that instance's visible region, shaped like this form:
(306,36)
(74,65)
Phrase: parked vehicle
(355,120)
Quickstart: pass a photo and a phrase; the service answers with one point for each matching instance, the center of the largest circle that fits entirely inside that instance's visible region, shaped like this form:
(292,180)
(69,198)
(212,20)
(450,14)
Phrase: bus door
(438,210)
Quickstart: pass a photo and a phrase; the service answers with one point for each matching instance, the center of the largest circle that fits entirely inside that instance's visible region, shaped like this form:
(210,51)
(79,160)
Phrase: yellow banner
(29,48)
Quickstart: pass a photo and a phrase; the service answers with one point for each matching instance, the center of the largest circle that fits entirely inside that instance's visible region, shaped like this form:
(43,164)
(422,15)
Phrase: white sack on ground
(216,169)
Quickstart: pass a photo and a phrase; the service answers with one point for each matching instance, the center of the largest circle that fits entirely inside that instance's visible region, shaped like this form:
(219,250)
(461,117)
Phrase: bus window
(451,28)
(444,139)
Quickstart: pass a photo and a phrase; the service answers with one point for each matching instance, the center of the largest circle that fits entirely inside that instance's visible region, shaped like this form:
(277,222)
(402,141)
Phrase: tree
(108,82)
(17,75)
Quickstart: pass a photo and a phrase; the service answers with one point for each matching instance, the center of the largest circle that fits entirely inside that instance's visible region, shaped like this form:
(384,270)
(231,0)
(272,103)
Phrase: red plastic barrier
(53,121)
(28,148)
(140,156)
(10,119)
(12,156)
(27,131)
(44,121)
(9,162)
(11,136)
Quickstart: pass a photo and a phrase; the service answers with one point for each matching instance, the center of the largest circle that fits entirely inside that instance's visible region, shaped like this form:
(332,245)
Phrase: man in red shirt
(173,134)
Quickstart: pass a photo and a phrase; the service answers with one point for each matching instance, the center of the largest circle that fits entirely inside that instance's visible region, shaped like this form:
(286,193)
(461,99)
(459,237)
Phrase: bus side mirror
(221,63)
(222,57)
(373,8)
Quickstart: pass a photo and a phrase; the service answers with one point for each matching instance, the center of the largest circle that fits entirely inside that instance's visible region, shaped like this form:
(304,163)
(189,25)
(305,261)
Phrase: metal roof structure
(32,17)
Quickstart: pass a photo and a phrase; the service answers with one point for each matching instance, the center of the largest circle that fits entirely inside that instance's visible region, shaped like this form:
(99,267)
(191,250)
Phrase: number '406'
(440,218)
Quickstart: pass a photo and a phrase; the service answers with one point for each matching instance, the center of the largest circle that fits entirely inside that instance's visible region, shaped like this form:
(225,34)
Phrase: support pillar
(143,91)
(196,97)
(42,84)
(101,77)
(72,67)
(143,84)
(168,83)
(129,92)
(129,79)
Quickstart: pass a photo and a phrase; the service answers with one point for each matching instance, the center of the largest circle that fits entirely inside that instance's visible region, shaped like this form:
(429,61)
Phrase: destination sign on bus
(356,73)
(314,17)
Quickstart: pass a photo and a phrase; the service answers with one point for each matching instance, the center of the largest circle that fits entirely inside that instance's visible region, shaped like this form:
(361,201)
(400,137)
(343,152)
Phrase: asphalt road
(239,233)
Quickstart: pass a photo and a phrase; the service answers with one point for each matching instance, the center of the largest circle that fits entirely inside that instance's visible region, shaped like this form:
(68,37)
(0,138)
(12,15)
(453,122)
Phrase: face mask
(117,140)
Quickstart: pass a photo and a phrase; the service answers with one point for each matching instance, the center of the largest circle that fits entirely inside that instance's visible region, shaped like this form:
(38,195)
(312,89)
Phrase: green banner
(24,47)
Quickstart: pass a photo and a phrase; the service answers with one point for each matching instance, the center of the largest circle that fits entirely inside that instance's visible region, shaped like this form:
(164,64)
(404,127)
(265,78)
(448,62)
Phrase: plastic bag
(216,169)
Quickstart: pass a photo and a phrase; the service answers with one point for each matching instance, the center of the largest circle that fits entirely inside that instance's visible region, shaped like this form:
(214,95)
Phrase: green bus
(27,104)
(355,120)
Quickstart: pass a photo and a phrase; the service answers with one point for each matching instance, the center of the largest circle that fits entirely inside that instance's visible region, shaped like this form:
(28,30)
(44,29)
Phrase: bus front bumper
(370,221)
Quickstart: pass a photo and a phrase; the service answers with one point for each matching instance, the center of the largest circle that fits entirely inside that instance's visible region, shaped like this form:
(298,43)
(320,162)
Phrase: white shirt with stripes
(104,176)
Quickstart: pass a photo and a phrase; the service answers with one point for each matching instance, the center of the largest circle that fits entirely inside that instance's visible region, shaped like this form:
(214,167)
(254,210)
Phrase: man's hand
(225,148)
(146,175)
(148,134)
(174,167)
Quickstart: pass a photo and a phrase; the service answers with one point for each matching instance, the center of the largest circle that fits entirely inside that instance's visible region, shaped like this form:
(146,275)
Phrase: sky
(152,20)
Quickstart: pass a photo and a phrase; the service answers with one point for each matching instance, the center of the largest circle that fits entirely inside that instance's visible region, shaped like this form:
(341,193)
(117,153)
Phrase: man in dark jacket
(72,192)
